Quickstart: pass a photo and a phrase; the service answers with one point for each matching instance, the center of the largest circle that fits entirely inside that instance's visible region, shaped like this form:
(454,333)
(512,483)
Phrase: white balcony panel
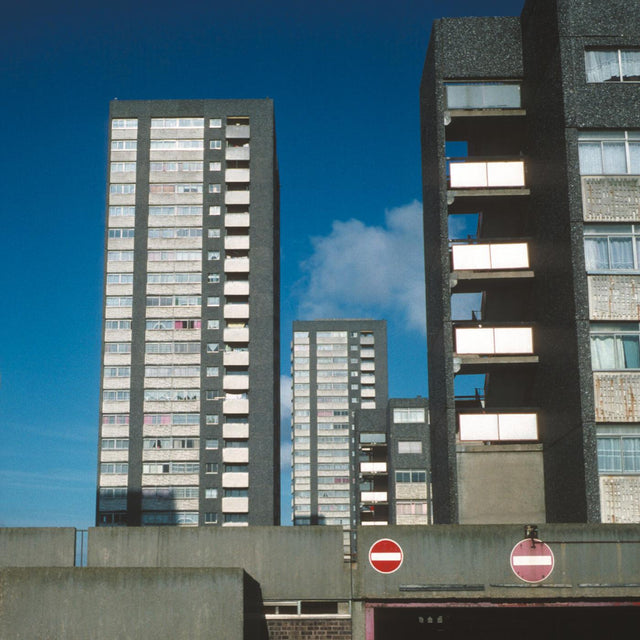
(237,197)
(235,406)
(236,335)
(514,340)
(498,426)
(236,265)
(235,480)
(373,467)
(236,311)
(237,219)
(518,426)
(510,256)
(374,523)
(235,505)
(234,454)
(236,358)
(479,426)
(238,131)
(236,288)
(238,153)
(474,340)
(467,257)
(494,340)
(464,175)
(237,175)
(505,174)
(235,430)
(373,496)
(236,383)
(237,242)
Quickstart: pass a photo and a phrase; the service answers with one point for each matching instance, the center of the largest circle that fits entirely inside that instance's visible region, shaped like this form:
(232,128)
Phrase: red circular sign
(385,555)
(532,560)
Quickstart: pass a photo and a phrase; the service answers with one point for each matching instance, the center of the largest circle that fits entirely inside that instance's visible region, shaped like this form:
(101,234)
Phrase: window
(117,324)
(120,278)
(215,123)
(215,166)
(117,347)
(613,65)
(119,256)
(183,210)
(170,467)
(412,508)
(175,166)
(172,347)
(176,144)
(122,189)
(118,301)
(371,438)
(169,517)
(212,372)
(173,277)
(124,145)
(122,211)
(171,443)
(408,415)
(214,210)
(211,443)
(609,152)
(215,188)
(211,467)
(213,255)
(239,493)
(124,123)
(121,167)
(236,518)
(619,453)
(172,232)
(612,247)
(117,372)
(210,517)
(213,233)
(128,232)
(112,443)
(172,418)
(178,256)
(180,187)
(213,324)
(113,492)
(174,301)
(114,467)
(176,123)
(409,446)
(411,475)
(615,345)
(168,371)
(212,347)
(169,493)
(116,418)
(168,324)
(171,395)
(215,144)
(212,419)
(236,468)
(213,278)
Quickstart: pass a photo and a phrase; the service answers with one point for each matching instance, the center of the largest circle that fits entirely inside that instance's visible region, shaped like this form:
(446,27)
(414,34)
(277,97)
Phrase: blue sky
(344,76)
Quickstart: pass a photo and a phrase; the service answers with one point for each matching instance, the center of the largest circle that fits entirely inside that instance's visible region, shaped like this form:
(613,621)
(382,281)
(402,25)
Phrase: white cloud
(368,271)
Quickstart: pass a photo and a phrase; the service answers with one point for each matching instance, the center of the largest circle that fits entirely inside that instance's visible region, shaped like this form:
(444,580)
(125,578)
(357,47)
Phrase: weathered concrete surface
(65,603)
(288,562)
(591,561)
(37,547)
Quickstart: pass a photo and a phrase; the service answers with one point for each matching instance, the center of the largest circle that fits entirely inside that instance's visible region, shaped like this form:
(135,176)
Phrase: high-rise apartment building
(531,168)
(339,370)
(189,415)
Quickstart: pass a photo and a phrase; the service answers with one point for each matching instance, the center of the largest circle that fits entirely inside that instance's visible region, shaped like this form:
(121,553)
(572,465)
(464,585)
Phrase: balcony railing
(483,95)
(498,426)
(470,174)
(373,467)
(373,496)
(494,340)
(469,257)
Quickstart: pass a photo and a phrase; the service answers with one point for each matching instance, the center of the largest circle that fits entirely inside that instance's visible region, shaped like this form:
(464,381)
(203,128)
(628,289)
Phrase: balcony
(239,358)
(465,96)
(235,335)
(237,197)
(236,242)
(476,347)
(238,153)
(236,265)
(495,427)
(235,406)
(235,430)
(471,175)
(373,497)
(236,311)
(235,455)
(238,131)
(235,383)
(237,175)
(235,480)
(235,505)
(373,467)
(236,288)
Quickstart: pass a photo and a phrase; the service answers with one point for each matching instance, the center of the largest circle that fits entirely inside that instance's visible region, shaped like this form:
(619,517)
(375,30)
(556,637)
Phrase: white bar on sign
(531,561)
(394,555)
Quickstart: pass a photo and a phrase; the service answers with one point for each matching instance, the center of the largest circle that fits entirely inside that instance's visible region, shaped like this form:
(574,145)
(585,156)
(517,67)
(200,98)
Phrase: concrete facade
(524,95)
(189,415)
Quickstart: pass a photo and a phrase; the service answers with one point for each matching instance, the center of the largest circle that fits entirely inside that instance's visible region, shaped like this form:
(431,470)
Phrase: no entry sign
(385,555)
(532,560)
